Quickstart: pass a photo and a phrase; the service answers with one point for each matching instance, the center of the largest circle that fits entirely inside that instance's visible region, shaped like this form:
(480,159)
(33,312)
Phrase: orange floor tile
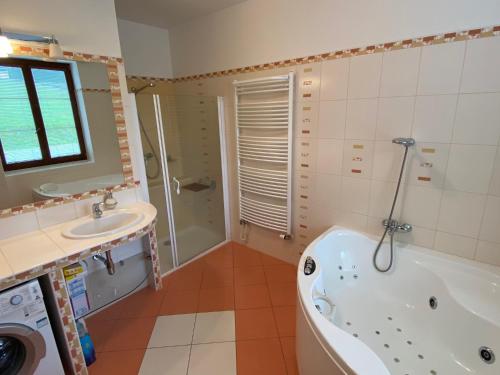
(261,289)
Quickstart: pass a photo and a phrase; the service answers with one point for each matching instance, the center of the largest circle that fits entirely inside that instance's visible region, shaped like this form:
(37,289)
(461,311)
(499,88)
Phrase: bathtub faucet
(394,226)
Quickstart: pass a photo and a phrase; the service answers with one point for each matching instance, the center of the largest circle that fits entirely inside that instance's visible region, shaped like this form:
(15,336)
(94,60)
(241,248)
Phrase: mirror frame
(29,49)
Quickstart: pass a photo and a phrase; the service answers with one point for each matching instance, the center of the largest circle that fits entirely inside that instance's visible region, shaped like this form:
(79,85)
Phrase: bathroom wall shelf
(264,109)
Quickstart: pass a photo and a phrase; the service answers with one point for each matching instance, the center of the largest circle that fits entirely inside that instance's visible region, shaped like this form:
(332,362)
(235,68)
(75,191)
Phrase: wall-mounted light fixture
(5,46)
(55,50)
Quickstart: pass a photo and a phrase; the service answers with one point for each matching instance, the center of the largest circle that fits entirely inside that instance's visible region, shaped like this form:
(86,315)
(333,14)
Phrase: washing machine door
(21,349)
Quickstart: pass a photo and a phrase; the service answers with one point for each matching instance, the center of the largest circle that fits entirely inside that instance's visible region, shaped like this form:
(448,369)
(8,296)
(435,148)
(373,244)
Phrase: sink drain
(487,355)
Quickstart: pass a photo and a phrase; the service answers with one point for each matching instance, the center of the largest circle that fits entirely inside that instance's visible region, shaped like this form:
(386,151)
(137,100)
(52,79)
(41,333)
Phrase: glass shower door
(189,127)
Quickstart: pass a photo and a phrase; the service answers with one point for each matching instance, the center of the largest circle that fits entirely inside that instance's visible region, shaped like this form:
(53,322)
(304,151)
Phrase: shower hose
(389,229)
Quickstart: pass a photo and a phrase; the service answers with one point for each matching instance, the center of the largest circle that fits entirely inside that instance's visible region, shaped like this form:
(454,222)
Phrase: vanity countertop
(35,249)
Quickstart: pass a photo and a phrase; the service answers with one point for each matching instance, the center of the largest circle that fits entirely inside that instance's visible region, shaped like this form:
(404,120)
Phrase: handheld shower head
(406,142)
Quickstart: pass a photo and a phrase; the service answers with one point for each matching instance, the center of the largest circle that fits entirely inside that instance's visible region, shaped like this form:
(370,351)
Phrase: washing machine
(27,344)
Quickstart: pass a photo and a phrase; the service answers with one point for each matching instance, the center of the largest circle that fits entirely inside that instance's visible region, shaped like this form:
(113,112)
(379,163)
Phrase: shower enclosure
(181,138)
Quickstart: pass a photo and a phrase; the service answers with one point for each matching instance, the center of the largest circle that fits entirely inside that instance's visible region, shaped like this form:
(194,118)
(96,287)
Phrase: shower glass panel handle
(188,130)
(177,185)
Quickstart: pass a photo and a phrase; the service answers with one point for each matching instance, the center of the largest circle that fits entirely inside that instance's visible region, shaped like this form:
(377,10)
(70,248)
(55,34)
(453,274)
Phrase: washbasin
(110,222)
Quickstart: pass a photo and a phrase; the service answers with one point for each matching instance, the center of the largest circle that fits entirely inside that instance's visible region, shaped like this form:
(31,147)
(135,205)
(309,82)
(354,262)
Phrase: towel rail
(264,109)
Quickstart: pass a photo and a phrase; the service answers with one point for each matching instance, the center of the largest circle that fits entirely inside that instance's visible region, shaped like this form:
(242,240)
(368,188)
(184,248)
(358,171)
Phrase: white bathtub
(383,323)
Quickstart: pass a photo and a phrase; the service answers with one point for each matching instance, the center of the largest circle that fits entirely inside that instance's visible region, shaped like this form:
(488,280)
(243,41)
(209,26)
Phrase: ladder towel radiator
(264,110)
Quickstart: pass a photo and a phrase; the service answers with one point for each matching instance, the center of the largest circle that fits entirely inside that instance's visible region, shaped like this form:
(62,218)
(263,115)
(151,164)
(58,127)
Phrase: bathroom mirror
(58,135)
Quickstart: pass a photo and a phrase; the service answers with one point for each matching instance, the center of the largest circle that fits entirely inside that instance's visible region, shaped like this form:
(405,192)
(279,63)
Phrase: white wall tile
(490,228)
(361,119)
(306,119)
(495,179)
(381,198)
(488,252)
(355,195)
(358,159)
(470,168)
(364,76)
(125,197)
(56,215)
(427,164)
(478,119)
(84,207)
(421,206)
(328,190)
(332,118)
(334,79)
(387,159)
(329,159)
(394,117)
(400,72)
(455,245)
(461,213)
(441,68)
(434,117)
(481,65)
(419,236)
(18,224)
(351,220)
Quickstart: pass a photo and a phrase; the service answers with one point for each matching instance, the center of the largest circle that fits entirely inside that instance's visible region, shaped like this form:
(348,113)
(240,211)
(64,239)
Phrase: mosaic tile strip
(68,322)
(97,90)
(63,200)
(155,260)
(41,51)
(65,261)
(121,127)
(151,79)
(484,32)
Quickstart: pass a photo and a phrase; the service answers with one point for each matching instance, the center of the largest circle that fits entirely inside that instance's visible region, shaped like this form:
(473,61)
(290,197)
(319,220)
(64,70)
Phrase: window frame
(27,65)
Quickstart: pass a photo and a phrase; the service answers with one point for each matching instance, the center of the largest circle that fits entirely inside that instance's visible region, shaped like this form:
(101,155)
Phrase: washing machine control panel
(27,297)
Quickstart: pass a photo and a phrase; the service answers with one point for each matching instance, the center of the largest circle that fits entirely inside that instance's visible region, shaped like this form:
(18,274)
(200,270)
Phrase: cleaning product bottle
(86,342)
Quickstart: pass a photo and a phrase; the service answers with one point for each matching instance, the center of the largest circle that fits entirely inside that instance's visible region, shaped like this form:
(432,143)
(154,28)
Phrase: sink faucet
(108,203)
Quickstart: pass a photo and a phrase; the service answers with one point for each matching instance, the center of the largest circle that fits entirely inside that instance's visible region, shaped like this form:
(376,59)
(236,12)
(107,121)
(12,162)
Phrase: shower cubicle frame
(166,176)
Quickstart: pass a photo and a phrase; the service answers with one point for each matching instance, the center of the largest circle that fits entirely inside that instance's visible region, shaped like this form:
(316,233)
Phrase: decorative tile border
(150,79)
(65,261)
(33,49)
(41,51)
(155,260)
(67,321)
(97,90)
(484,32)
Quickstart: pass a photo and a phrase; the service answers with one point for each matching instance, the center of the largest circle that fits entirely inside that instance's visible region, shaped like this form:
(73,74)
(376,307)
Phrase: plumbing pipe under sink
(107,260)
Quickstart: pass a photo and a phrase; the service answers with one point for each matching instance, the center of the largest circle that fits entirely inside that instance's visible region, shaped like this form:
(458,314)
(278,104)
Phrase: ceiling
(168,13)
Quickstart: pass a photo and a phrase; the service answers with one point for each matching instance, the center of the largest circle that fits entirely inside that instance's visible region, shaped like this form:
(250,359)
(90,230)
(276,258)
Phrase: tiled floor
(234,307)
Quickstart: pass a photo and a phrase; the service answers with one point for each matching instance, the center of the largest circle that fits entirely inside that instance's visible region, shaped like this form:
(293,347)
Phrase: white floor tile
(213,359)
(172,330)
(214,327)
(165,361)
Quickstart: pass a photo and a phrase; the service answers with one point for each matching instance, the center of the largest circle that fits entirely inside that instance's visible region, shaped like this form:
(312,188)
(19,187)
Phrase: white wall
(82,26)
(261,31)
(146,49)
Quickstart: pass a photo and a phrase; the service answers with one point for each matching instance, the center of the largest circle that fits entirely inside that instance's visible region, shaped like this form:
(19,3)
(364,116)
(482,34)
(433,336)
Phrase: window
(39,120)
